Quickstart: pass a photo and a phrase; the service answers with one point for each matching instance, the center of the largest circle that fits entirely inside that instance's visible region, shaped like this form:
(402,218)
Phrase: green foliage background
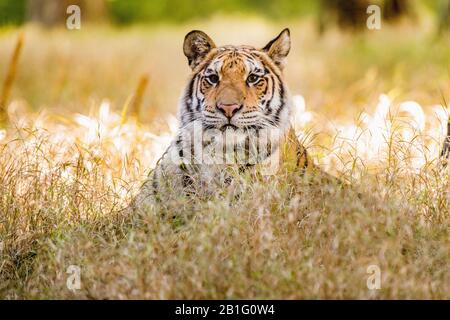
(12,11)
(151,11)
(124,11)
(130,11)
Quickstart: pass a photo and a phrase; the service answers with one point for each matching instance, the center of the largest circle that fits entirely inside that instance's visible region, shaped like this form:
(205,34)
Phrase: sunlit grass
(66,170)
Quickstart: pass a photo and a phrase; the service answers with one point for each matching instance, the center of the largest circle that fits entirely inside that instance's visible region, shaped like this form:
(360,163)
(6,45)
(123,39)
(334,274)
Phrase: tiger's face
(235,87)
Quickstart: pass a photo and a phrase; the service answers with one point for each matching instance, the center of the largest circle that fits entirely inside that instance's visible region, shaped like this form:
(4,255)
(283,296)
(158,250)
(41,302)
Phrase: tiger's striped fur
(236,98)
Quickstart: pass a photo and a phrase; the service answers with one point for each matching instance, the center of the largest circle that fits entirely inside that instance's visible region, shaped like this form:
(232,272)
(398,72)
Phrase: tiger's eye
(213,78)
(252,78)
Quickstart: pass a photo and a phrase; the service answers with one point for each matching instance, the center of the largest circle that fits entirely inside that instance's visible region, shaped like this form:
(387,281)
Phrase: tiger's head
(235,87)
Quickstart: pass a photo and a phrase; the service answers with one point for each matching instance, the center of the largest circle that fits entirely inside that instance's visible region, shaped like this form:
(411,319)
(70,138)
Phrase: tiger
(236,100)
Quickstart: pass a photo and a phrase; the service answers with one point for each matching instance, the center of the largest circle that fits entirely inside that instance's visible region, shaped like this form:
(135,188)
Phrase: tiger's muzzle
(229,110)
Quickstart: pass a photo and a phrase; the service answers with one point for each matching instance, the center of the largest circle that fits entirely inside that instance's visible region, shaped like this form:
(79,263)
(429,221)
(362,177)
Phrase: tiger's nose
(229,110)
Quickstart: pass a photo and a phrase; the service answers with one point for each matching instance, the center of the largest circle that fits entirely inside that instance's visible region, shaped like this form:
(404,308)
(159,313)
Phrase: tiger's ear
(278,48)
(196,46)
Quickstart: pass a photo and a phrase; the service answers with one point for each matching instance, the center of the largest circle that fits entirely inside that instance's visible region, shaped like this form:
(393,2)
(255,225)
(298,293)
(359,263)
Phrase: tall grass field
(90,112)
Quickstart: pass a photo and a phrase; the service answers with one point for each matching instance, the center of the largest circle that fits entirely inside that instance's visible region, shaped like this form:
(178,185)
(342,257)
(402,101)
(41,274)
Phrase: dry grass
(6,88)
(65,169)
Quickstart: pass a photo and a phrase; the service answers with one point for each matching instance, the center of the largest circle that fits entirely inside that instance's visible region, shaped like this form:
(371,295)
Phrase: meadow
(92,110)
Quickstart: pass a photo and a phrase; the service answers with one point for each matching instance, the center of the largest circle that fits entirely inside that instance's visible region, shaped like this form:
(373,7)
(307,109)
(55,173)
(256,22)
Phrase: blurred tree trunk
(444,15)
(53,12)
(47,12)
(393,9)
(95,11)
(352,14)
